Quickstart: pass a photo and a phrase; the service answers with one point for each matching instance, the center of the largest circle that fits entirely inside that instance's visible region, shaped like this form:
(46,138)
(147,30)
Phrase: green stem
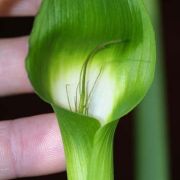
(151,131)
(88,146)
(101,162)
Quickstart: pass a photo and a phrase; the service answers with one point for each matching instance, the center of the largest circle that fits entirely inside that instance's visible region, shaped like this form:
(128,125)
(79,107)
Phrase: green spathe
(88,147)
(93,61)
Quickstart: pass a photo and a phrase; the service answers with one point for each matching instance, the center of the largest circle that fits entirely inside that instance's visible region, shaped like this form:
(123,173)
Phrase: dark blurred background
(27,105)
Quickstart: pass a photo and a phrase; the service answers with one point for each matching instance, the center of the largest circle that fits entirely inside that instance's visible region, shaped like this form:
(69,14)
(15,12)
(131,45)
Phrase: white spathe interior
(107,91)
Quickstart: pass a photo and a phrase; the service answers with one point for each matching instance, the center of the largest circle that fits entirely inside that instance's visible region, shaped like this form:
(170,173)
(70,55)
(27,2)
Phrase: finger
(13,76)
(19,7)
(30,147)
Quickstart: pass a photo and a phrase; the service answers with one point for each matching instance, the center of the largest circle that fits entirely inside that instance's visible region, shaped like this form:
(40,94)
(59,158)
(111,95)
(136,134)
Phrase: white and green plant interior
(93,61)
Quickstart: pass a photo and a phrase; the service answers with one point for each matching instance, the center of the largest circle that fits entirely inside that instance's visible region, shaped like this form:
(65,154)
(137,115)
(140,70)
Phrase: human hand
(28,146)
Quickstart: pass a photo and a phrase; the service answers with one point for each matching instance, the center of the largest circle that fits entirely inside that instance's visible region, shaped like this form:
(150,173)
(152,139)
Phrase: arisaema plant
(93,61)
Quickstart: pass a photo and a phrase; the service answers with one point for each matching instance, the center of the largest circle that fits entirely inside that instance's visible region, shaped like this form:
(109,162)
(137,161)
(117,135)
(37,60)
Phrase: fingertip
(19,7)
(13,76)
(34,147)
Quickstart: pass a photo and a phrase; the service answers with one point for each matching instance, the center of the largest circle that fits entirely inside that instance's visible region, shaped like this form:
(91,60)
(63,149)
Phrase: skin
(28,147)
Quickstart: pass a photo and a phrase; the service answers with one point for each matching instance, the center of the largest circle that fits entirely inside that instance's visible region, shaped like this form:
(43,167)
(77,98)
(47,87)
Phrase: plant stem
(88,146)
(151,131)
